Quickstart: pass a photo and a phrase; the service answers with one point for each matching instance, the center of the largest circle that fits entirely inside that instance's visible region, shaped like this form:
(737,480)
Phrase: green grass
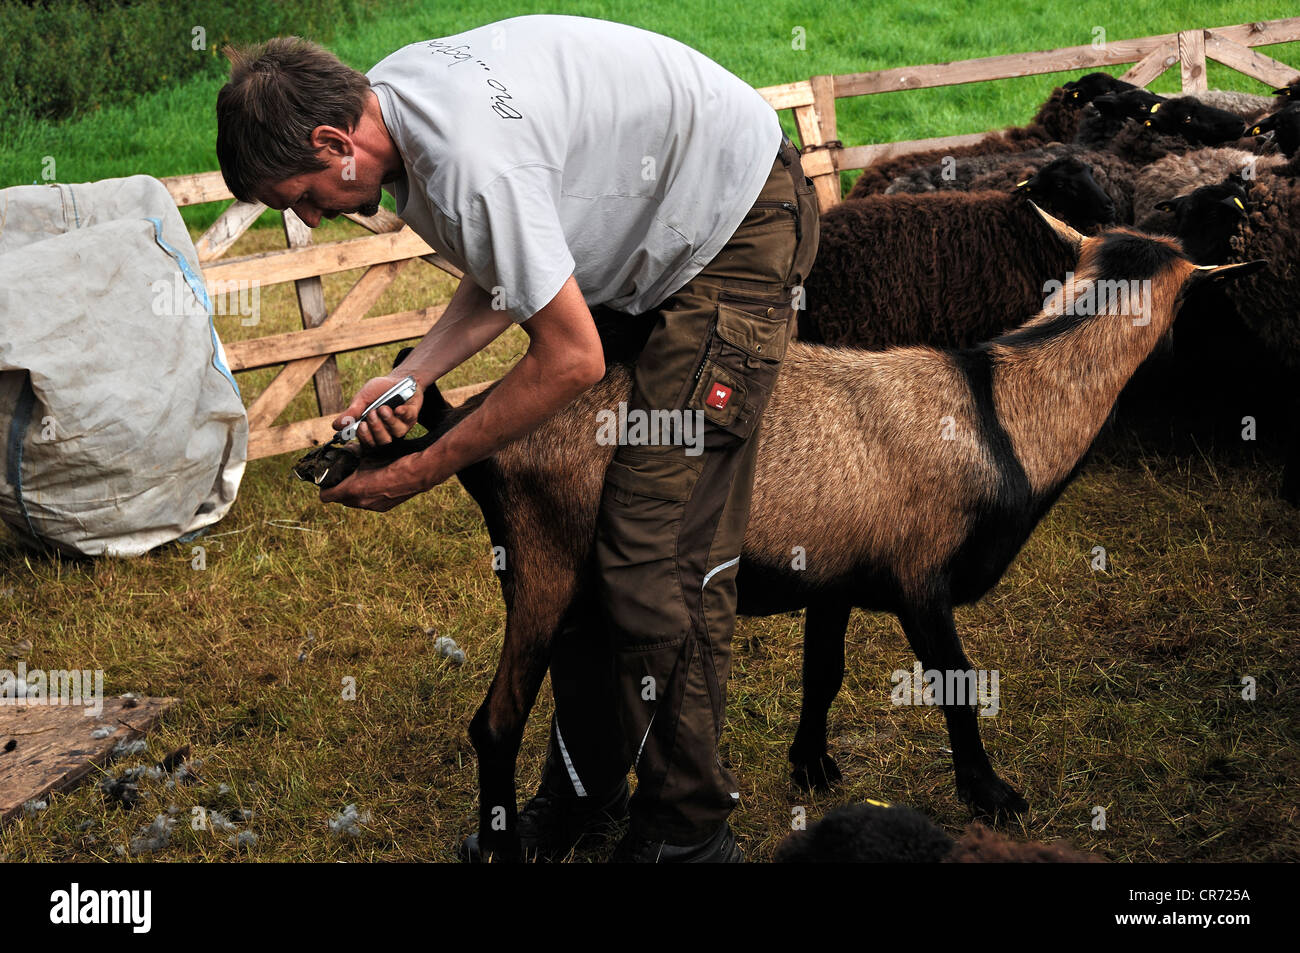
(172,131)
(1119,689)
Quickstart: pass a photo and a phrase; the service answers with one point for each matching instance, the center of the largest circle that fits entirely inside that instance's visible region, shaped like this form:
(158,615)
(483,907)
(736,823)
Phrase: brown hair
(278,93)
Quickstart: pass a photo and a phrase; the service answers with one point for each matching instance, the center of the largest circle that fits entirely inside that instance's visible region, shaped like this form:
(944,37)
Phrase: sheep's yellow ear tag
(1255,131)
(876,803)
(1237,202)
(1154,107)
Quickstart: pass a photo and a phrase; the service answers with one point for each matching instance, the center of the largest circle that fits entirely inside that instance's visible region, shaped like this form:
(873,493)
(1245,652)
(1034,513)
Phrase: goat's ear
(1062,231)
(1217,273)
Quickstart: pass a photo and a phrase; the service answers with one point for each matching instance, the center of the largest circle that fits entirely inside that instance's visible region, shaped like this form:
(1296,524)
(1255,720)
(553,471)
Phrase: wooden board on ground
(46,748)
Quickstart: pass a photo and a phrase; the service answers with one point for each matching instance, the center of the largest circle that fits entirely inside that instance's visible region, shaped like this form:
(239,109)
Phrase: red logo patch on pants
(719,394)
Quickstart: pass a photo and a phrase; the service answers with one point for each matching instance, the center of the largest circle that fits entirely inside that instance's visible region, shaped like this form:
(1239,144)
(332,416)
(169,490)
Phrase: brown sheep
(896,270)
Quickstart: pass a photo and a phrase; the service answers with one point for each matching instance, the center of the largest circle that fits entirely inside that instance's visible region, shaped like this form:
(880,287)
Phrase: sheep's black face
(1208,218)
(1285,127)
(1085,89)
(1130,104)
(1196,122)
(1067,189)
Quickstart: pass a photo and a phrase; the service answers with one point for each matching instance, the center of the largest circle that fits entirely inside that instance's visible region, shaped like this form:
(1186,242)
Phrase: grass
(1119,689)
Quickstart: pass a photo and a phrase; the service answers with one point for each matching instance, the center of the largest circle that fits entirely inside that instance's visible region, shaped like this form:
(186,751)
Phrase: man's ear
(333,139)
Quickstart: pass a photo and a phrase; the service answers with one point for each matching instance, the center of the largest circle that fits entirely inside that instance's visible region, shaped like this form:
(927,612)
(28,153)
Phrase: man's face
(349,184)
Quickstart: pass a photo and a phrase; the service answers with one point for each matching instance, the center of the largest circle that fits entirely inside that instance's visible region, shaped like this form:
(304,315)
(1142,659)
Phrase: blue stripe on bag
(195,281)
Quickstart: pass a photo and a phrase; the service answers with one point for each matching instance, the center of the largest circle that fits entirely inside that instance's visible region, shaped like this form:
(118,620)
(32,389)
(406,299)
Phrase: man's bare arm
(563,359)
(468,325)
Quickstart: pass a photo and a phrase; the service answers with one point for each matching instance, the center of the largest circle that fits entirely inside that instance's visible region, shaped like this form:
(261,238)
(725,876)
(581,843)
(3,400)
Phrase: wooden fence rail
(308,355)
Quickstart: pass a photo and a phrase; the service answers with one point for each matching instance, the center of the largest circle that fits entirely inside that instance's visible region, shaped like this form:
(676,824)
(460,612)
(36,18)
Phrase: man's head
(297,128)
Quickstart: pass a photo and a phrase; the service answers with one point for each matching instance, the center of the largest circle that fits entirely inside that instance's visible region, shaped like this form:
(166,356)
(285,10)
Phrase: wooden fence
(309,354)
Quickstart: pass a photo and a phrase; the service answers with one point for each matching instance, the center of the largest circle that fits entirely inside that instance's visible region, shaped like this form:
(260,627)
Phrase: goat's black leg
(1291,469)
(496,732)
(934,639)
(824,628)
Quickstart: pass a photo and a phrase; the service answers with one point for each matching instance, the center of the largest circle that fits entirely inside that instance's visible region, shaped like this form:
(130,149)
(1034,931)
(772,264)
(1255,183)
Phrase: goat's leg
(1291,469)
(824,627)
(496,732)
(934,639)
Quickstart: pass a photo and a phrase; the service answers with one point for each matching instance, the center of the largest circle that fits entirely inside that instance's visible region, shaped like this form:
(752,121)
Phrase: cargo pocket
(747,342)
(660,473)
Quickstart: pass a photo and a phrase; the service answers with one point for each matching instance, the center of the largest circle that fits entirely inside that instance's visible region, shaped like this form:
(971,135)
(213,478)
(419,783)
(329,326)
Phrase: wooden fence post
(1191,56)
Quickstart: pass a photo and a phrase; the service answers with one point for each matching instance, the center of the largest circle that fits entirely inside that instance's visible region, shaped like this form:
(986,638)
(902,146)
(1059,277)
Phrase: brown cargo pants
(648,688)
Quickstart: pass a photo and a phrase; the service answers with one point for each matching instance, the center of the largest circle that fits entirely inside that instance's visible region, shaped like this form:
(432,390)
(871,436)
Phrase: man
(566,164)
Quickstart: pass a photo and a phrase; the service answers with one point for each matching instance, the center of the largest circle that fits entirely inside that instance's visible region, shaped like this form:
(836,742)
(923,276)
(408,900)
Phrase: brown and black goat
(910,482)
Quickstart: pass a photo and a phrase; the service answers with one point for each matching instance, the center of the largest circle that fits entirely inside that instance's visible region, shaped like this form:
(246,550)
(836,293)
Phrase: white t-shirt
(547,146)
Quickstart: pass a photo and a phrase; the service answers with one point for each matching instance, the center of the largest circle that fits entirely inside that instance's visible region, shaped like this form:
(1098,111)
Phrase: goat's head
(1153,272)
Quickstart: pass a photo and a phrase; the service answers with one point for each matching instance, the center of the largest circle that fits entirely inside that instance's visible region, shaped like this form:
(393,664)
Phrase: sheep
(890,514)
(1179,174)
(1290,93)
(1284,125)
(1006,173)
(878,832)
(1056,121)
(1106,115)
(902,269)
(1141,127)
(1249,106)
(1257,218)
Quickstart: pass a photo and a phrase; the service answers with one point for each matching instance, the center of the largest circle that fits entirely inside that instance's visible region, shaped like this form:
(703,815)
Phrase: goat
(891,516)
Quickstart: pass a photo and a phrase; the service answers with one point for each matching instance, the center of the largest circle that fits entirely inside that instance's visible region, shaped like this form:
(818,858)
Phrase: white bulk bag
(121,427)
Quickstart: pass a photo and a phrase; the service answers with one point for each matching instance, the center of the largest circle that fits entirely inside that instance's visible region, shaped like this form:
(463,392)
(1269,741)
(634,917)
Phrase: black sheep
(1004,173)
(895,270)
(881,833)
(1244,219)
(1056,121)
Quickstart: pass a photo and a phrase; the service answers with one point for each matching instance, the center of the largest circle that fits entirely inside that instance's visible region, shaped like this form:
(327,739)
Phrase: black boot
(720,848)
(551,825)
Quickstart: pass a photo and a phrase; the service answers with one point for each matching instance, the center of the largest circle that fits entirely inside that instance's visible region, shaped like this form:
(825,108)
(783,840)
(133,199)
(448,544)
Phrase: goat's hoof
(992,799)
(327,466)
(817,774)
(498,850)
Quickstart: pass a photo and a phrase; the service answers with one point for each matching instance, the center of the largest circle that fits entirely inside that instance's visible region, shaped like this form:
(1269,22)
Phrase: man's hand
(380,488)
(386,424)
